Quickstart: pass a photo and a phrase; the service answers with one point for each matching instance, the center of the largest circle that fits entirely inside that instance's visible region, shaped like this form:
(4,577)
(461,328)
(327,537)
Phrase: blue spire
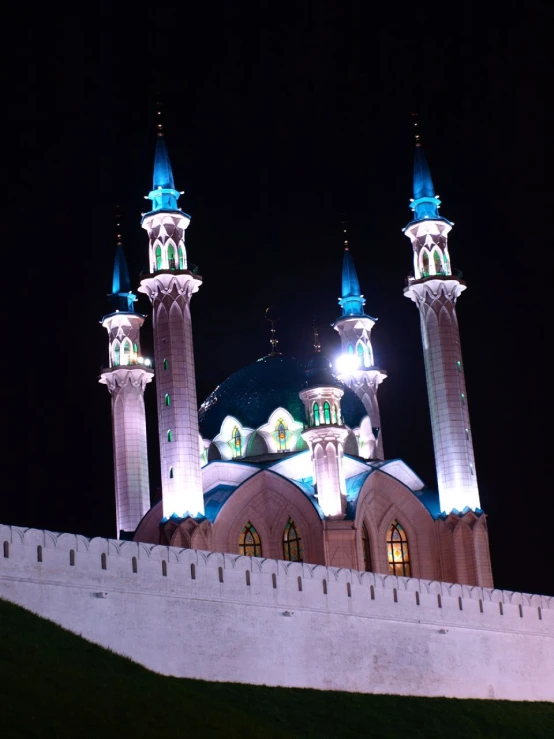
(352,302)
(164,196)
(121,297)
(425,203)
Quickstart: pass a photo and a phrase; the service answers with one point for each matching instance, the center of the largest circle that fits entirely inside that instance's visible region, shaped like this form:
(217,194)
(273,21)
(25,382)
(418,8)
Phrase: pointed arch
(327,412)
(171,255)
(126,352)
(292,543)
(158,257)
(398,555)
(437,262)
(281,430)
(116,358)
(182,262)
(250,543)
(237,442)
(424,262)
(316,414)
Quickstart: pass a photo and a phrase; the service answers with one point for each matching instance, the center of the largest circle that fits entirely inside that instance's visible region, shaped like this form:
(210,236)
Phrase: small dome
(319,372)
(252,393)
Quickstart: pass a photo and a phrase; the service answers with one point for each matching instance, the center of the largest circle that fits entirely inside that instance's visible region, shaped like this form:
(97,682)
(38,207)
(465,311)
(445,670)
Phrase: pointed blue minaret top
(352,302)
(121,297)
(425,203)
(164,196)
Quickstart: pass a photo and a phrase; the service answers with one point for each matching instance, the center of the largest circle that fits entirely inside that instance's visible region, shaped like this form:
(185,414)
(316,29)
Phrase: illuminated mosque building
(285,458)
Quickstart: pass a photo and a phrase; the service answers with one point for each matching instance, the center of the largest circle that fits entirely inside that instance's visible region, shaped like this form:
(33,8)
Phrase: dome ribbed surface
(252,393)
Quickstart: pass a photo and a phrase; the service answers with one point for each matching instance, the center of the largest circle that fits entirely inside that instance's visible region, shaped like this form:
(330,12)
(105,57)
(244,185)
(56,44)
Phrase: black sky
(281,122)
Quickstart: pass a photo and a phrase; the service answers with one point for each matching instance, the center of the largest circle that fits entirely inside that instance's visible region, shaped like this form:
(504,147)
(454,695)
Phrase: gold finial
(118,226)
(159,126)
(273,339)
(317,345)
(415,117)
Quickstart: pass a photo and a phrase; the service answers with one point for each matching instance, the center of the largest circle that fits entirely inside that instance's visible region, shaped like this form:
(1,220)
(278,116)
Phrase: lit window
(171,473)
(316,414)
(350,349)
(135,347)
(334,414)
(116,354)
(167,399)
(166,364)
(459,365)
(281,434)
(463,397)
(171,255)
(126,352)
(467,434)
(181,258)
(169,436)
(471,468)
(365,548)
(237,442)
(292,543)
(438,262)
(249,542)
(159,262)
(327,412)
(425,263)
(397,551)
(360,351)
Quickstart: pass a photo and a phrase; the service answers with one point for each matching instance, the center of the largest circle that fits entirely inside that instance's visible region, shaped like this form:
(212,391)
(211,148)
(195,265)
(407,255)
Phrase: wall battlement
(142,600)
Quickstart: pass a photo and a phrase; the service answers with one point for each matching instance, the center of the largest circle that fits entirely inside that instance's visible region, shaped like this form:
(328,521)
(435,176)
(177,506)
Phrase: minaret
(126,378)
(434,289)
(170,286)
(356,365)
(325,435)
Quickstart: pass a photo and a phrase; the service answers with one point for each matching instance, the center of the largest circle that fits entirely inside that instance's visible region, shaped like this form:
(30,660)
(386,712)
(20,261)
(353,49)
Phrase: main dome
(252,393)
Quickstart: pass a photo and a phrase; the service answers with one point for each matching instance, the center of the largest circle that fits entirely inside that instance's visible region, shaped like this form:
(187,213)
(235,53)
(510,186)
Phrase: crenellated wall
(214,616)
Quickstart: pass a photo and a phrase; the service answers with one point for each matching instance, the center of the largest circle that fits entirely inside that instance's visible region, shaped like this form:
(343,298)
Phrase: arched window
(446,263)
(425,263)
(365,548)
(181,257)
(397,551)
(438,262)
(360,351)
(126,352)
(116,354)
(169,436)
(171,255)
(281,434)
(292,543)
(249,542)
(327,412)
(350,349)
(159,261)
(171,473)
(237,442)
(334,414)
(166,364)
(316,414)
(167,399)
(135,350)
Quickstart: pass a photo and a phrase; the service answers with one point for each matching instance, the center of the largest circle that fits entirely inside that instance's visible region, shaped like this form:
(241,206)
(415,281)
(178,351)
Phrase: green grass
(55,684)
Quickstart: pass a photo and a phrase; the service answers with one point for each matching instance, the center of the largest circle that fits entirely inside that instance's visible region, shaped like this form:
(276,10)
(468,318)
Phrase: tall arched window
(360,351)
(446,263)
(438,262)
(171,255)
(425,263)
(237,442)
(169,436)
(334,414)
(159,261)
(327,412)
(126,352)
(316,414)
(365,548)
(116,354)
(281,434)
(249,542)
(397,550)
(181,257)
(135,351)
(167,399)
(292,543)
(350,349)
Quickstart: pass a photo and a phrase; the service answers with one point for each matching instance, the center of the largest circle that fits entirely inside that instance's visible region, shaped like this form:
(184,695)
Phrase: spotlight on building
(346,363)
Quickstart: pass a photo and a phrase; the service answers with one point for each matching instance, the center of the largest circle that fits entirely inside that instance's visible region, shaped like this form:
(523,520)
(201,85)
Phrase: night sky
(281,122)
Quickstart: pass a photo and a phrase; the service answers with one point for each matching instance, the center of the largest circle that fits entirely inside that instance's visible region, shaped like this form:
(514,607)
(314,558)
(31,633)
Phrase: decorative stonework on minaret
(356,366)
(126,379)
(325,436)
(170,286)
(434,289)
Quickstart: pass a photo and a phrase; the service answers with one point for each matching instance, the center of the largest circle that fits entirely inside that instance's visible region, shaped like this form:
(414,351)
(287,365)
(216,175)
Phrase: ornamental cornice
(117,378)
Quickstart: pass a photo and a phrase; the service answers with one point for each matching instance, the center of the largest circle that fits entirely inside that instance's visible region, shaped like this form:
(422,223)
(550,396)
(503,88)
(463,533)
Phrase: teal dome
(252,393)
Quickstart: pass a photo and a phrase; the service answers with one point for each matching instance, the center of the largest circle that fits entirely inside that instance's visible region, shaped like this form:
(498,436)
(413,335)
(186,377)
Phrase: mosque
(285,458)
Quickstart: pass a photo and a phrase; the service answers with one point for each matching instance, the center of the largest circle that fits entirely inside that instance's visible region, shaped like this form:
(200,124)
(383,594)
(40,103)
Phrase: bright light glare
(347,363)
(147,362)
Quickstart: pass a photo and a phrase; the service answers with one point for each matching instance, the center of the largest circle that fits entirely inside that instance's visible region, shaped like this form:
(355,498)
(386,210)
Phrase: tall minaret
(170,286)
(434,289)
(126,378)
(356,366)
(325,435)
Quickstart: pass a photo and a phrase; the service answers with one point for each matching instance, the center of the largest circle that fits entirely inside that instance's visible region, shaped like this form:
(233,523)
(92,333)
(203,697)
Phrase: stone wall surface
(222,617)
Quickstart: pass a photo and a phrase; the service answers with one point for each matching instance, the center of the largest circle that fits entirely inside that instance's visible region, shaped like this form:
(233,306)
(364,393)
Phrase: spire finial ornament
(118,236)
(415,119)
(344,225)
(273,340)
(317,345)
(159,126)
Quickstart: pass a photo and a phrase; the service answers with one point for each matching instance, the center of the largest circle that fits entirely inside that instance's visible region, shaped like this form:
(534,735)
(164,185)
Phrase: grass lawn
(54,684)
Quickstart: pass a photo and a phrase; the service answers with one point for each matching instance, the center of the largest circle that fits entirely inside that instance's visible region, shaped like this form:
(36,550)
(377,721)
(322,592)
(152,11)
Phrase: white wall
(231,631)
